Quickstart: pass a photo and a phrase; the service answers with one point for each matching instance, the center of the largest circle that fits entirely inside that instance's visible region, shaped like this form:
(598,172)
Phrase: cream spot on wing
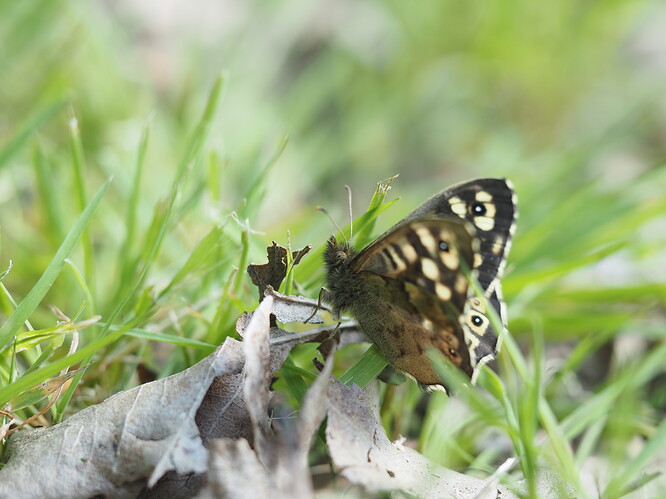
(458,206)
(397,263)
(427,324)
(430,269)
(491,209)
(444,235)
(477,305)
(484,196)
(497,246)
(461,284)
(409,252)
(443,292)
(484,223)
(450,259)
(427,239)
(478,260)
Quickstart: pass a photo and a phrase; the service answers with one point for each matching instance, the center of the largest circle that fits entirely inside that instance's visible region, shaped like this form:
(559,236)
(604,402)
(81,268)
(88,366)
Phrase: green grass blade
(78,163)
(198,258)
(365,369)
(167,338)
(619,483)
(31,125)
(47,186)
(34,378)
(365,234)
(36,294)
(132,207)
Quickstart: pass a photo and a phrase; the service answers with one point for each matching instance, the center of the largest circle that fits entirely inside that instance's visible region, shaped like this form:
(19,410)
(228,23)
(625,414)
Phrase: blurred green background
(566,98)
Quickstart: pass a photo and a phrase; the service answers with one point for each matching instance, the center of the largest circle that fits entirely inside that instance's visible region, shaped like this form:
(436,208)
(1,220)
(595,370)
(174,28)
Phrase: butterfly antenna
(325,212)
(351,218)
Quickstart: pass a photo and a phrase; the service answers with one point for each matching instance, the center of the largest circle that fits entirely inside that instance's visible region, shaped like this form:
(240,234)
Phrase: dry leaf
(360,448)
(274,272)
(289,308)
(135,437)
(278,465)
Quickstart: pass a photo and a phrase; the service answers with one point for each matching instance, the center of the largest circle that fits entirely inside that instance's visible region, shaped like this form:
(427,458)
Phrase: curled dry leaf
(360,448)
(278,465)
(289,308)
(273,273)
(132,439)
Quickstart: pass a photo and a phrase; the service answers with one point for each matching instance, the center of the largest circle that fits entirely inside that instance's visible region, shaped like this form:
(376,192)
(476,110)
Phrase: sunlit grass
(142,201)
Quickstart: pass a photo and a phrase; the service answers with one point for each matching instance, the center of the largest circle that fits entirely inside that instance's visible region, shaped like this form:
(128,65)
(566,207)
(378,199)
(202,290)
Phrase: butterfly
(408,290)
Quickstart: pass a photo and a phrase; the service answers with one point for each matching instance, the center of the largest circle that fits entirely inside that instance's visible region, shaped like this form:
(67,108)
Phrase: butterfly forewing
(488,204)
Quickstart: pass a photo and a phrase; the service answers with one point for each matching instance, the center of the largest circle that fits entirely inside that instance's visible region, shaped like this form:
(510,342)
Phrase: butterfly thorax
(338,258)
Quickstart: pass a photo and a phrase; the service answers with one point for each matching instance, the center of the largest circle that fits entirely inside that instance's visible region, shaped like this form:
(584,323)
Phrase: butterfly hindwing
(418,266)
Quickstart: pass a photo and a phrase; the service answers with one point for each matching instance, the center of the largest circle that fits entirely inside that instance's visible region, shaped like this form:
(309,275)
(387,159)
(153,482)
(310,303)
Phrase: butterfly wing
(490,205)
(415,294)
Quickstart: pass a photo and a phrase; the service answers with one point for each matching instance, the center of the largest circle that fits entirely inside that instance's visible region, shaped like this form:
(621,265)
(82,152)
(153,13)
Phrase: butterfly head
(337,255)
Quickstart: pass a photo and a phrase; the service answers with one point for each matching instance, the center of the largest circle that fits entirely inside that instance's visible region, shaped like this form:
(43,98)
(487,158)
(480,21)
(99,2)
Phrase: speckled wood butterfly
(408,291)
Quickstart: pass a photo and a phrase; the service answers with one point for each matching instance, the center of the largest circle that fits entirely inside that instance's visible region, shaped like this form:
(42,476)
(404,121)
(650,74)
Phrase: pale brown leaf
(360,448)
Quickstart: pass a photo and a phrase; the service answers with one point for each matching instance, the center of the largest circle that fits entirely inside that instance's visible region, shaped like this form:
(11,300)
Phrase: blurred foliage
(566,98)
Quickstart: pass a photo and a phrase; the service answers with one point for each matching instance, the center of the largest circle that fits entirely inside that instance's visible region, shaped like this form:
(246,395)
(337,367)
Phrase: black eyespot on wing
(444,246)
(478,209)
(476,320)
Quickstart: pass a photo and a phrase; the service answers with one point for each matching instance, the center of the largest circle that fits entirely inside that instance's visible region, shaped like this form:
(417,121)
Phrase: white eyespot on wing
(458,206)
(430,269)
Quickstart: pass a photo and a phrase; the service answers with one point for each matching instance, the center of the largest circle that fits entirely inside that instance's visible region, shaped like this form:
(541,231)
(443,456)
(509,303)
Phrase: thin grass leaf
(293,377)
(50,370)
(34,297)
(26,130)
(590,440)
(167,338)
(78,163)
(198,258)
(365,234)
(126,250)
(620,485)
(365,369)
(601,403)
(255,193)
(161,223)
(47,186)
(200,134)
(39,392)
(30,339)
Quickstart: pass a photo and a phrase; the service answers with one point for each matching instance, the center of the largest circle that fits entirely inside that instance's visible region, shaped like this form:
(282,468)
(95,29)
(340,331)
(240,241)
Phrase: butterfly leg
(324,295)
